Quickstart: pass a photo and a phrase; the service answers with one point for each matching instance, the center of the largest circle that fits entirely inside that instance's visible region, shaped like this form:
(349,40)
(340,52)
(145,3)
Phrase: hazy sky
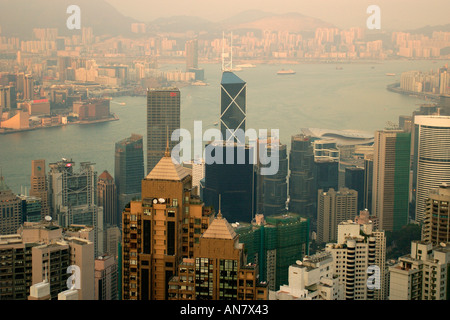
(395,14)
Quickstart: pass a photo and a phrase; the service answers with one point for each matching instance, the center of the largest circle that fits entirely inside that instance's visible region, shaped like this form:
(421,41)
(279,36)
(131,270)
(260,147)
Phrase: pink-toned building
(92,109)
(106,278)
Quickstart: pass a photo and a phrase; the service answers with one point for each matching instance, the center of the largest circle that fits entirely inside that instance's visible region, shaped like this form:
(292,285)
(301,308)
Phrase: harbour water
(353,96)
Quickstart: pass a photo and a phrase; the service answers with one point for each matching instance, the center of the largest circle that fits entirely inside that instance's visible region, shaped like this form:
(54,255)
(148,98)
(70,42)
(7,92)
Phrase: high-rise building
(163,118)
(311,279)
(233,112)
(113,238)
(221,271)
(326,174)
(354,179)
(106,273)
(107,198)
(368,181)
(436,225)
(158,231)
(39,186)
(63,64)
(391,171)
(28,89)
(10,209)
(421,275)
(191,48)
(232,181)
(128,171)
(301,179)
(31,208)
(198,172)
(40,252)
(274,243)
(431,159)
(359,247)
(334,207)
(74,197)
(271,190)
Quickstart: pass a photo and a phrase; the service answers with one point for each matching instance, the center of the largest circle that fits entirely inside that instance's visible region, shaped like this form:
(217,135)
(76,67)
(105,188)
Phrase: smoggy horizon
(395,15)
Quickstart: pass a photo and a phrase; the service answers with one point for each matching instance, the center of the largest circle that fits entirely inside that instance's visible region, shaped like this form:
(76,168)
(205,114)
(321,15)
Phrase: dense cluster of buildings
(219,230)
(432,82)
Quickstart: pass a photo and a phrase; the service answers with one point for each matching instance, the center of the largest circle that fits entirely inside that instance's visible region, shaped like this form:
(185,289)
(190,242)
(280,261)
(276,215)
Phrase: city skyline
(102,104)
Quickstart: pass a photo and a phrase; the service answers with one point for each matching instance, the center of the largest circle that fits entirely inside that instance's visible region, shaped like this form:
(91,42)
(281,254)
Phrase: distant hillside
(247,20)
(428,30)
(181,24)
(19,17)
(292,22)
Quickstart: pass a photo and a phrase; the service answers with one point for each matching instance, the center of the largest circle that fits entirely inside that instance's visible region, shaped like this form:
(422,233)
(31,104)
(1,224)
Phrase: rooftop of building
(219,229)
(166,169)
(229,77)
(341,137)
(105,175)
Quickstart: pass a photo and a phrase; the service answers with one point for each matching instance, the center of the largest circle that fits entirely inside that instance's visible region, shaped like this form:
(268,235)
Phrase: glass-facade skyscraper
(163,118)
(301,179)
(390,193)
(233,182)
(232,105)
(272,189)
(128,171)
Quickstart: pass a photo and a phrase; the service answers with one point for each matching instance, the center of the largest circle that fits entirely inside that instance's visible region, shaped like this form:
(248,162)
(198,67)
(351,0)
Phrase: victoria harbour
(319,95)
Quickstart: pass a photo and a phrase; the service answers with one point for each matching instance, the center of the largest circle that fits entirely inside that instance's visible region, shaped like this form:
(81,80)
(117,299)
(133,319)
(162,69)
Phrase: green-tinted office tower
(275,244)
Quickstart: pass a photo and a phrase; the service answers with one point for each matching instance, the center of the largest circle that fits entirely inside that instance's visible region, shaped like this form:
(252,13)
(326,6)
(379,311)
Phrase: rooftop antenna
(227,66)
(219,215)
(167,153)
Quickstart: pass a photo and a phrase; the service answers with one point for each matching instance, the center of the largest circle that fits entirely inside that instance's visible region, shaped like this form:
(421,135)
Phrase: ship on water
(285,72)
(246,65)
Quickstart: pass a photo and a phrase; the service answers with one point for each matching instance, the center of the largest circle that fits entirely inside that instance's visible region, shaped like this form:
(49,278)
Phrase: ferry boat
(285,72)
(390,74)
(246,65)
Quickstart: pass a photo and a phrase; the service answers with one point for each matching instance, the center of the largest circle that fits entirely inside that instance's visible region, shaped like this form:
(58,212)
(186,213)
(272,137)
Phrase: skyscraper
(107,198)
(359,247)
(128,171)
(191,48)
(157,232)
(39,185)
(272,189)
(220,262)
(301,179)
(436,225)
(233,111)
(10,210)
(232,181)
(390,192)
(334,207)
(431,160)
(354,179)
(163,118)
(74,197)
(274,243)
(326,174)
(105,278)
(368,181)
(422,274)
